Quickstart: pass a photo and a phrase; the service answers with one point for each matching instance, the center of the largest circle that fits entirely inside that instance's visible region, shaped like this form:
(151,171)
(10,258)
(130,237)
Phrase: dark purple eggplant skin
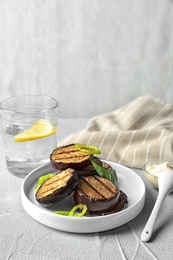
(75,165)
(121,205)
(89,170)
(95,205)
(61,193)
(63,166)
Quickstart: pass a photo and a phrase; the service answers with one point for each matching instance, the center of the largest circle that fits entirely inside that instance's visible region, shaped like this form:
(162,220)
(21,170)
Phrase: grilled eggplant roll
(97,193)
(57,187)
(69,157)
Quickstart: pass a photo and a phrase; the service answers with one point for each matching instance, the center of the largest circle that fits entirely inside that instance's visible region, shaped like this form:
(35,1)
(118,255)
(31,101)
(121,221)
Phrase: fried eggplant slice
(69,157)
(57,187)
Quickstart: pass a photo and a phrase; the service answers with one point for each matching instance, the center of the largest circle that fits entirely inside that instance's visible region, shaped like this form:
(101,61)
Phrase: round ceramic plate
(129,182)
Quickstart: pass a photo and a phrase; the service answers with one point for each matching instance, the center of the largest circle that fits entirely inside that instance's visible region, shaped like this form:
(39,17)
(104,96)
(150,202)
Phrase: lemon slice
(40,129)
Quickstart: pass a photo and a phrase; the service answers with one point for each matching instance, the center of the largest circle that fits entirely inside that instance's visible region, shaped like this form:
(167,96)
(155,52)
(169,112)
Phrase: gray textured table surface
(21,237)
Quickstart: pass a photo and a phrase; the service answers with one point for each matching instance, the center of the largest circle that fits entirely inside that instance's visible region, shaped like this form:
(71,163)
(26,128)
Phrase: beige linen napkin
(140,131)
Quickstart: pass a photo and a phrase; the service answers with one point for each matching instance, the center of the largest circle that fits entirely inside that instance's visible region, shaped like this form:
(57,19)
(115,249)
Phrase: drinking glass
(29,131)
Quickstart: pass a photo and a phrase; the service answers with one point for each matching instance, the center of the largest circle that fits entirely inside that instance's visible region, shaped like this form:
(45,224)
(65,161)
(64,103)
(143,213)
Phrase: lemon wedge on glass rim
(40,129)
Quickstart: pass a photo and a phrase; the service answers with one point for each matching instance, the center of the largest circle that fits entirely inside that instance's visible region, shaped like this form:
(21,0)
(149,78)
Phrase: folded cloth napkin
(140,131)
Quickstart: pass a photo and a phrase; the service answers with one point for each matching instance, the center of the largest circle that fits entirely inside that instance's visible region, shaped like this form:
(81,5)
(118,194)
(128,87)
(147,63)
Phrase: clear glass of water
(29,131)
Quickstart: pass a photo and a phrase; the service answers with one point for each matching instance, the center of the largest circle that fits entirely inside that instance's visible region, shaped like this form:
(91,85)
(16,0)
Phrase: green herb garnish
(101,170)
(112,176)
(42,179)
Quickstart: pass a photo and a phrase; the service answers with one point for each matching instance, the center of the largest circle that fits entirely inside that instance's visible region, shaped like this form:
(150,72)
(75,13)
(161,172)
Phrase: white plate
(129,182)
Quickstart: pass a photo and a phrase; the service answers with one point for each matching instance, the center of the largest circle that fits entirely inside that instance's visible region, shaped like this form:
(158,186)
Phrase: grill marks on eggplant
(107,166)
(122,204)
(78,176)
(97,193)
(57,187)
(69,156)
(96,188)
(53,184)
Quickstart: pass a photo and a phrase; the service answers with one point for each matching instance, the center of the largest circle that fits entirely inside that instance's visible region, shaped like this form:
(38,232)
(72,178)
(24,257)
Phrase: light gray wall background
(92,55)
